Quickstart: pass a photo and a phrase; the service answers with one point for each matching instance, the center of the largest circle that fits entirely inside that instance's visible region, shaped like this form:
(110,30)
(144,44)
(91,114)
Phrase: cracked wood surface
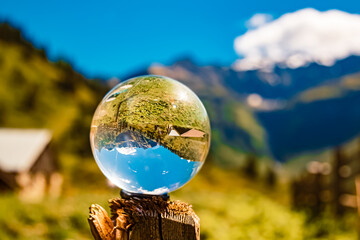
(151,219)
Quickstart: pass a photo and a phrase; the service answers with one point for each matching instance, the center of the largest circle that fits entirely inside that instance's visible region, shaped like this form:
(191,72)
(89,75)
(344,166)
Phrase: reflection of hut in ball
(193,133)
(185,132)
(27,163)
(174,133)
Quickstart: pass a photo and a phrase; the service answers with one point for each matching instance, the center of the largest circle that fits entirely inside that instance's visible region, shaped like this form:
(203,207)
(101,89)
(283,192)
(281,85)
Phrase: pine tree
(250,168)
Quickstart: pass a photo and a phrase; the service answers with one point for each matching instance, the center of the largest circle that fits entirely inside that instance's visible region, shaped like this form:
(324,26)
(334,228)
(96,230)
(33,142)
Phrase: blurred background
(280,81)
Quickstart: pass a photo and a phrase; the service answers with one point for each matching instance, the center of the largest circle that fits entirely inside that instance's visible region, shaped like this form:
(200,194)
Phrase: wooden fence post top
(146,218)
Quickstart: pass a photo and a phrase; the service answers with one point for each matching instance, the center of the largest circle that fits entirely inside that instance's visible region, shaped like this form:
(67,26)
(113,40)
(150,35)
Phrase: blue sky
(113,38)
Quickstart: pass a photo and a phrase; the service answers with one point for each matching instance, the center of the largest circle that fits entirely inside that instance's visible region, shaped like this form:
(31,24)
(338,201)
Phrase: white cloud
(258,20)
(254,100)
(157,191)
(126,150)
(257,102)
(296,39)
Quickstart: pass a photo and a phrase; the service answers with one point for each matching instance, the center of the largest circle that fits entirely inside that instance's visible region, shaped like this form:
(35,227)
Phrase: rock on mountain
(298,110)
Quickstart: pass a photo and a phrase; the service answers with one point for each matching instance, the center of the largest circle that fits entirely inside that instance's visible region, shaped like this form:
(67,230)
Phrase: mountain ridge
(293,87)
(314,97)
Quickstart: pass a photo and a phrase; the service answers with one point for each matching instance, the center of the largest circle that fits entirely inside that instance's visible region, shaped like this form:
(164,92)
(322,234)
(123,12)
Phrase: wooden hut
(27,163)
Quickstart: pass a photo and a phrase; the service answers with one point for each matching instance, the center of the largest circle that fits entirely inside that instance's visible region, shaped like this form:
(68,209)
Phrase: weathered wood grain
(100,223)
(149,218)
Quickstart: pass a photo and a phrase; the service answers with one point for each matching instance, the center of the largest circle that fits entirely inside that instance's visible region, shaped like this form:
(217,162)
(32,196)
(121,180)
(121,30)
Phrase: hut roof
(193,133)
(174,133)
(20,148)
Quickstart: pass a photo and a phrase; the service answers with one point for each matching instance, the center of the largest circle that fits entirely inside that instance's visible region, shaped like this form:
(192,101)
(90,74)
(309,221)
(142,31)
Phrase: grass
(152,105)
(229,206)
(39,93)
(245,119)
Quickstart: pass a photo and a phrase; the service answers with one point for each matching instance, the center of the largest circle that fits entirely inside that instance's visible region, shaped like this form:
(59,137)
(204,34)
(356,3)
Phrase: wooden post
(101,225)
(144,218)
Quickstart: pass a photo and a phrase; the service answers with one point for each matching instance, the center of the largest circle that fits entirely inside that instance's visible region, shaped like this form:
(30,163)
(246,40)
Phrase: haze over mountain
(280,110)
(298,77)
(309,108)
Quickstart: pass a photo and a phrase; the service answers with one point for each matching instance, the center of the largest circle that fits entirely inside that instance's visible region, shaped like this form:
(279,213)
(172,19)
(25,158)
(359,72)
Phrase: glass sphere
(150,135)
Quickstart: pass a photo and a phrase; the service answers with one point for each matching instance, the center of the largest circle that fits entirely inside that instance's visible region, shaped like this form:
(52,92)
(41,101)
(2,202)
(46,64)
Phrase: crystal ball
(150,135)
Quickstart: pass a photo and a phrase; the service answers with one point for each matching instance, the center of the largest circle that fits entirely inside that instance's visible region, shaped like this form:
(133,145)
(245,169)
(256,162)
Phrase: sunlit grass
(229,206)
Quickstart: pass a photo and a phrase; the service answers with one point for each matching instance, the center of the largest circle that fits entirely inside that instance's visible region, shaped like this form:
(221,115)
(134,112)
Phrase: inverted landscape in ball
(150,135)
